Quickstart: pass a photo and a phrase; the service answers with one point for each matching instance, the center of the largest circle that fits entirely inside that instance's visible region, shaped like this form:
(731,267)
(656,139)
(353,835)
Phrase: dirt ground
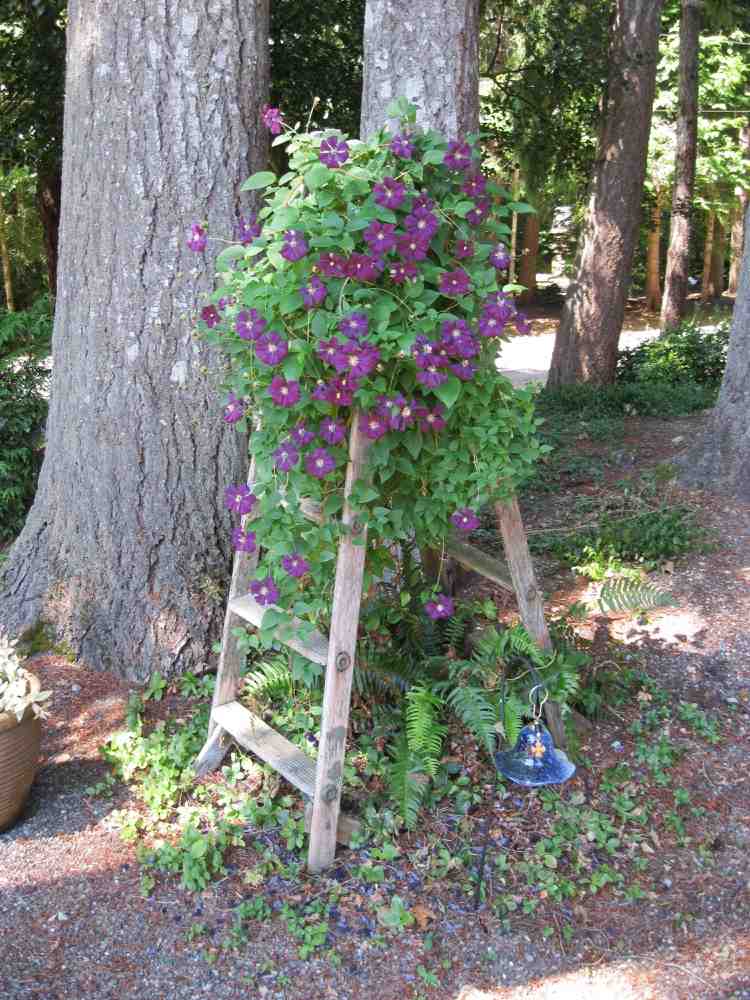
(73,922)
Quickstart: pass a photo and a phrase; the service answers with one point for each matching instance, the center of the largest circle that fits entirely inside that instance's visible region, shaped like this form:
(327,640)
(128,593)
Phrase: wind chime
(533,762)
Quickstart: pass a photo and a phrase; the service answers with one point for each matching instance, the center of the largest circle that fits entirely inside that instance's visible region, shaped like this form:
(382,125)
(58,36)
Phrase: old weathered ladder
(321,781)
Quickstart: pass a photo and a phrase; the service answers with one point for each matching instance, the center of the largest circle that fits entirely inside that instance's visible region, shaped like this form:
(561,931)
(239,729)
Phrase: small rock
(617,745)
(75,688)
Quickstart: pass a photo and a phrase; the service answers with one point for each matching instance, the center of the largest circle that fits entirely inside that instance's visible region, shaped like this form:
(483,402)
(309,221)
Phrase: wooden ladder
(321,782)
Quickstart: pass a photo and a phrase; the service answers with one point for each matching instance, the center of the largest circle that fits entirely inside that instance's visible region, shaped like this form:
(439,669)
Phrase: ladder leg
(347,596)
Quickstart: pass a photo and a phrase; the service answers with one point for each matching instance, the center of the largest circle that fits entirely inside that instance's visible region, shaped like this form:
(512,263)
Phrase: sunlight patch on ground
(611,983)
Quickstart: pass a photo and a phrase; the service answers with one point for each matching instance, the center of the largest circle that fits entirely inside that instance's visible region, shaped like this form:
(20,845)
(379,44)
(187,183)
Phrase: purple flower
(458,155)
(314,292)
(332,265)
(332,431)
(474,185)
(398,411)
(441,607)
(243,541)
(271,348)
(455,283)
(319,463)
(210,316)
(500,258)
(354,325)
(431,376)
(234,410)
(295,246)
(265,591)
(413,246)
(328,349)
(286,456)
(402,271)
(356,359)
(493,319)
(301,435)
(465,347)
(334,152)
(422,200)
(198,238)
(401,146)
(372,425)
(465,519)
(390,193)
(273,120)
(239,498)
(362,267)
(479,213)
(424,351)
(454,329)
(464,370)
(463,249)
(422,222)
(284,393)
(380,237)
(295,565)
(431,420)
(338,391)
(246,230)
(522,323)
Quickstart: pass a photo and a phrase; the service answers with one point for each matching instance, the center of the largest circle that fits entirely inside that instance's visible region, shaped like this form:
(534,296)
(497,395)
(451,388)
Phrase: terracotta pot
(19,754)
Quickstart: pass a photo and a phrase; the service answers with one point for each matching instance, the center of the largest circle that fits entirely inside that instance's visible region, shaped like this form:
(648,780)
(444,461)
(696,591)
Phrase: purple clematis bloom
(390,193)
(463,249)
(337,391)
(401,146)
(314,292)
(380,237)
(210,316)
(284,393)
(319,463)
(413,246)
(465,519)
(458,155)
(363,267)
(234,410)
(198,238)
(464,347)
(464,370)
(355,325)
(522,323)
(493,320)
(250,325)
(286,456)
(239,498)
(455,283)
(422,222)
(328,349)
(334,152)
(454,329)
(422,200)
(356,359)
(431,376)
(500,258)
(246,230)
(243,541)
(265,591)
(474,185)
(332,431)
(431,420)
(273,120)
(271,348)
(332,265)
(398,411)
(402,271)
(301,435)
(295,246)
(424,351)
(372,425)
(295,565)
(441,607)
(479,213)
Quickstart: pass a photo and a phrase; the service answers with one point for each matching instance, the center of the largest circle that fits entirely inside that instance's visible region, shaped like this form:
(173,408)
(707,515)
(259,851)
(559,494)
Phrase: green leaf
(433,156)
(260,180)
(228,254)
(292,366)
(317,176)
(449,391)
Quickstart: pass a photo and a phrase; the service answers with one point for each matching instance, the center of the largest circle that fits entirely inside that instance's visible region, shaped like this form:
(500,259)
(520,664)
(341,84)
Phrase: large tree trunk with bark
(48,191)
(708,249)
(718,254)
(721,458)
(737,241)
(674,300)
(589,331)
(653,262)
(528,259)
(426,51)
(10,301)
(126,548)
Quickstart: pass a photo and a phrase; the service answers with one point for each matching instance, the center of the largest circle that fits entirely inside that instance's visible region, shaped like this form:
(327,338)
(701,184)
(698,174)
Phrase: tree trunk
(653,268)
(48,189)
(676,276)
(10,302)
(126,548)
(529,254)
(716,283)
(426,51)
(738,224)
(589,331)
(708,249)
(721,458)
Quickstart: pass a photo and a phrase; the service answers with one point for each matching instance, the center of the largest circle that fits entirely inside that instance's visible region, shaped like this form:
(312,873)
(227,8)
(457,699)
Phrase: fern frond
(632,595)
(271,681)
(424,732)
(515,709)
(407,781)
(477,713)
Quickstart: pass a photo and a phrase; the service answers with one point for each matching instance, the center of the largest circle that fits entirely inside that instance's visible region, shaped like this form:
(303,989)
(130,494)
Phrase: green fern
(476,712)
(515,709)
(424,732)
(632,595)
(407,781)
(270,682)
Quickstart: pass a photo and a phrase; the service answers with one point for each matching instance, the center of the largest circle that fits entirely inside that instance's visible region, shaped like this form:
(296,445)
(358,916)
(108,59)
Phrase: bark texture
(738,223)
(126,548)
(10,302)
(426,51)
(586,343)
(708,249)
(718,253)
(48,193)
(721,458)
(653,269)
(528,259)
(674,299)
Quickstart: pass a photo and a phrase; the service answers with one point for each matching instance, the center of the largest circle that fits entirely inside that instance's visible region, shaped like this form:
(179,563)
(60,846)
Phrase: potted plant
(21,709)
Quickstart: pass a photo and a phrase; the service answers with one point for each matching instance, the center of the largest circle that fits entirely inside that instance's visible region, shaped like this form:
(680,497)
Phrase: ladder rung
(313,645)
(473,558)
(251,732)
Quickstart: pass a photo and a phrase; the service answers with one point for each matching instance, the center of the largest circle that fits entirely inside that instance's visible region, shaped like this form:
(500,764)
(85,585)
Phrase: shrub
(687,354)
(26,334)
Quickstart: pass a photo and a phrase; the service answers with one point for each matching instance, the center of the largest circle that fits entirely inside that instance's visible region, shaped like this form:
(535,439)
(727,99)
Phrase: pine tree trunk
(529,254)
(10,302)
(738,223)
(426,51)
(127,548)
(48,189)
(653,279)
(676,276)
(717,260)
(708,249)
(721,459)
(589,331)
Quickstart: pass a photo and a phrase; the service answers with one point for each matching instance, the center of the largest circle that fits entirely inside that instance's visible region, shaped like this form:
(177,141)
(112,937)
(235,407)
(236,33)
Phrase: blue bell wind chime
(534,761)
